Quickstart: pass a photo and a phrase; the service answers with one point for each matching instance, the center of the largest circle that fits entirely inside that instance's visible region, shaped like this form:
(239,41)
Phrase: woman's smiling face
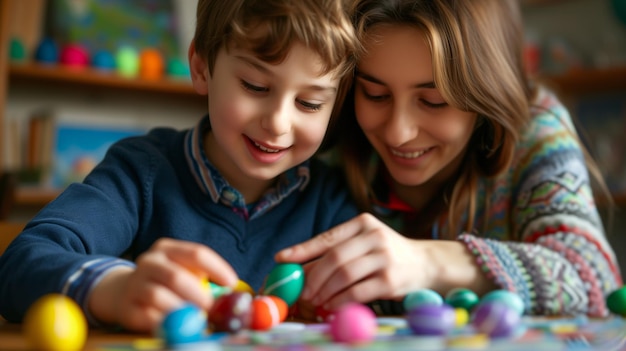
(417,134)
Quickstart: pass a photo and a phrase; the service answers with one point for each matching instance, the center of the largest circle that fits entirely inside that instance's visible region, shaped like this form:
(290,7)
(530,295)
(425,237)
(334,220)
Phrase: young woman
(472,174)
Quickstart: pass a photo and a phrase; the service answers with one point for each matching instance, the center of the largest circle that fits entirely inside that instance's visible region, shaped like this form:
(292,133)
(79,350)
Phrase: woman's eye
(253,88)
(374,97)
(434,105)
(310,106)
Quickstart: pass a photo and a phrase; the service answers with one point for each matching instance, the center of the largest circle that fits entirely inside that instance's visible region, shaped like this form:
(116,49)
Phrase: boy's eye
(253,88)
(310,106)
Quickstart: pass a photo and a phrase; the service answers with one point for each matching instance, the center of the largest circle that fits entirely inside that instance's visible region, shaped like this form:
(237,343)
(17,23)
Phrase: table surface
(11,338)
(608,334)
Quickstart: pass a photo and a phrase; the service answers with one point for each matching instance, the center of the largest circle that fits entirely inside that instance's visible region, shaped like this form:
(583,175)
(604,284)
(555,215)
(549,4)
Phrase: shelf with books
(97,79)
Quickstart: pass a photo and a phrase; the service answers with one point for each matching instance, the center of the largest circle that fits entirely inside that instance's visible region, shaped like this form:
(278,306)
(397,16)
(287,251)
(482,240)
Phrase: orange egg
(267,311)
(151,64)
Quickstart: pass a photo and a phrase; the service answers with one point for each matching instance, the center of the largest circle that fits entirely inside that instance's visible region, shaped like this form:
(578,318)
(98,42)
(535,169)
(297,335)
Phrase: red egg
(267,311)
(231,312)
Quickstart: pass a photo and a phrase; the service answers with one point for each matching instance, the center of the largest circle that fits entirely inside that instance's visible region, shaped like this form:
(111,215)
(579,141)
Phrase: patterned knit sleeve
(558,259)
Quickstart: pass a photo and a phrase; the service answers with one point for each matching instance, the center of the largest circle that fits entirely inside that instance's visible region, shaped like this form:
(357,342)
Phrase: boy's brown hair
(270,27)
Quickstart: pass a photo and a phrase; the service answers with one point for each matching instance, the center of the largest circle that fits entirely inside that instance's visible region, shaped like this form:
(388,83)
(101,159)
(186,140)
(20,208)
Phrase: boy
(216,201)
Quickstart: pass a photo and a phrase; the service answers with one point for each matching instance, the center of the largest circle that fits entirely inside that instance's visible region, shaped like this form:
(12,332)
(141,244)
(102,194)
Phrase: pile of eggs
(497,314)
(238,308)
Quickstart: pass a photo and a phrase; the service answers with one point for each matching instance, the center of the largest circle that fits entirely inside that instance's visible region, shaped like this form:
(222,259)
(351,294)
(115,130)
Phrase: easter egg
(242,286)
(421,297)
(184,325)
(103,60)
(286,281)
(461,316)
(55,322)
(218,290)
(47,51)
(431,319)
(17,50)
(177,68)
(74,55)
(323,315)
(267,311)
(495,319)
(231,312)
(151,66)
(127,61)
(616,301)
(353,323)
(508,298)
(463,298)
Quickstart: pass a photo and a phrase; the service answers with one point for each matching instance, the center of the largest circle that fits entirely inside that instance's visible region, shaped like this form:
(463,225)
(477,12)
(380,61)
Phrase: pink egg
(353,323)
(74,55)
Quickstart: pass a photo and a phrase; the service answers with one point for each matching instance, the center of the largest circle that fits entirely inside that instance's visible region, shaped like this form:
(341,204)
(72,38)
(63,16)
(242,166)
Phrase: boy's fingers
(200,260)
(318,245)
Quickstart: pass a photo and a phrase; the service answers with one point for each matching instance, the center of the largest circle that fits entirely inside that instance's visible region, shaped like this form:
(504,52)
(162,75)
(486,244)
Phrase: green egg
(616,301)
(462,298)
(286,281)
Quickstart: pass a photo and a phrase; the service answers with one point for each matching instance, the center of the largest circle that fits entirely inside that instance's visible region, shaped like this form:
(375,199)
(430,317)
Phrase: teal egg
(506,297)
(462,298)
(616,301)
(422,297)
(286,281)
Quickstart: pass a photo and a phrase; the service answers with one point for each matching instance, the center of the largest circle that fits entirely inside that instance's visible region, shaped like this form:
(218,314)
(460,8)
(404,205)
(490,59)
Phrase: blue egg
(422,297)
(47,51)
(103,60)
(184,325)
(508,298)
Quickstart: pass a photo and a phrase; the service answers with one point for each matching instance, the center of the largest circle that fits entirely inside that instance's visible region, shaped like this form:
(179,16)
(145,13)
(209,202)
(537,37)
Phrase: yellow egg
(461,316)
(54,323)
(244,287)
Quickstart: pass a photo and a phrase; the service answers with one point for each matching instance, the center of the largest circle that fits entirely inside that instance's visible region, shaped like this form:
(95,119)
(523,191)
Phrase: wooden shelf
(587,80)
(97,79)
(34,196)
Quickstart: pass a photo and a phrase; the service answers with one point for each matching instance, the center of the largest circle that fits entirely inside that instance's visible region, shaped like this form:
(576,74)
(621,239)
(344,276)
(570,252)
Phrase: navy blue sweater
(142,191)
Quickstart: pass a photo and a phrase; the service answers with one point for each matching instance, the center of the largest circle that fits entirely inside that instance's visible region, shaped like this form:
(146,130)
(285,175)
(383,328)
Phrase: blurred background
(77,75)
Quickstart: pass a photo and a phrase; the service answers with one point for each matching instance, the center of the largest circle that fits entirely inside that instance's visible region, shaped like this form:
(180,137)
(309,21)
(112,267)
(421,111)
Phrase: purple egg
(495,319)
(431,319)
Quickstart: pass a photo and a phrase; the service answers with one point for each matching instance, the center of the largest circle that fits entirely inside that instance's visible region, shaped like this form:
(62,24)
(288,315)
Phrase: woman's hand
(166,277)
(361,260)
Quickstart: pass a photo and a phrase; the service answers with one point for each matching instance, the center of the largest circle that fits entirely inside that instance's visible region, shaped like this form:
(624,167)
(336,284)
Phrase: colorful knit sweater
(540,234)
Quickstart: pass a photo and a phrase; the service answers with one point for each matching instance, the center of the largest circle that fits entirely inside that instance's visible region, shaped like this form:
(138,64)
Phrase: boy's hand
(166,277)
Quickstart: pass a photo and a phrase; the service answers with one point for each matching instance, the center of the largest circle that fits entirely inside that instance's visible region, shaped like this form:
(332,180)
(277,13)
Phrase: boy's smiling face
(265,118)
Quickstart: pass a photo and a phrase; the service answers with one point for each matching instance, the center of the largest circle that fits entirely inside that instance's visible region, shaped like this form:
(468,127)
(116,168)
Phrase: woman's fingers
(338,262)
(361,268)
(321,243)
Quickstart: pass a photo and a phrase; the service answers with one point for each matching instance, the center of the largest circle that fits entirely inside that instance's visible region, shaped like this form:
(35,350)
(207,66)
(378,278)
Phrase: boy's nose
(278,120)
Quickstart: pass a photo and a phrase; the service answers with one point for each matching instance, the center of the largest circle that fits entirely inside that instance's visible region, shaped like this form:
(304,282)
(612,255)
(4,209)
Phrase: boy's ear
(199,71)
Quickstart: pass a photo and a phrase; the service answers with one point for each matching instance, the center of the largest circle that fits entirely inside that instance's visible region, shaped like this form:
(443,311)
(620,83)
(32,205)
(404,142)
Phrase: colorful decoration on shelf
(75,56)
(47,51)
